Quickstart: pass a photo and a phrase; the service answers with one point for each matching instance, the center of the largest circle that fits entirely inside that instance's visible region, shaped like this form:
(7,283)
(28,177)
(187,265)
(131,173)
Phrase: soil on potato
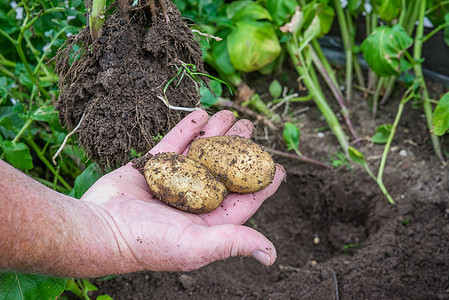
(116,82)
(396,251)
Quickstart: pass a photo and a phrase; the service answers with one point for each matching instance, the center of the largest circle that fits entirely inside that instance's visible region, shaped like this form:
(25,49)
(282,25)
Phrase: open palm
(154,236)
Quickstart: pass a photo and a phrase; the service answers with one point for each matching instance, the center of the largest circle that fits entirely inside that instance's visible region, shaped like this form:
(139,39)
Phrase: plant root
(53,159)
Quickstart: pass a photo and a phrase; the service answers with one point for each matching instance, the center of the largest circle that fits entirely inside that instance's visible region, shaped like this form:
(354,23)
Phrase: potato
(241,164)
(183,183)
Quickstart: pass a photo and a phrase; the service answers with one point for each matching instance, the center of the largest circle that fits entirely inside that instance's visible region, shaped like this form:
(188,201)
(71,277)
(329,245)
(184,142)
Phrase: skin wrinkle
(119,247)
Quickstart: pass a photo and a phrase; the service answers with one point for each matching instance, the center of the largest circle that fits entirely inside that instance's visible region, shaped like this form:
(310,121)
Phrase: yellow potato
(241,164)
(183,183)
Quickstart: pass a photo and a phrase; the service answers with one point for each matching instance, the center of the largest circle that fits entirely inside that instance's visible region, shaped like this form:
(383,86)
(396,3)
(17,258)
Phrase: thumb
(230,240)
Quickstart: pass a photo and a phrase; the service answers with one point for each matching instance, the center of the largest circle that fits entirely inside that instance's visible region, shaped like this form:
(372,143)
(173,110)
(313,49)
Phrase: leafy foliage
(441,116)
(34,287)
(383,49)
(291,137)
(382,134)
(388,9)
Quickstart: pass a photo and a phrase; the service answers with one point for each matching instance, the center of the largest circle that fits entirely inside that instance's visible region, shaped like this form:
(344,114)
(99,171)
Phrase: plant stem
(298,157)
(42,157)
(52,185)
(319,98)
(358,71)
(43,56)
(379,183)
(417,52)
(337,94)
(22,130)
(348,48)
(409,22)
(433,32)
(380,84)
(442,3)
(97,18)
(404,100)
(389,86)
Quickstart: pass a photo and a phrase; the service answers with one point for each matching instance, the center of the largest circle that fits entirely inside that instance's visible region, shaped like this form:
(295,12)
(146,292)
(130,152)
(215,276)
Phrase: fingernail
(262,257)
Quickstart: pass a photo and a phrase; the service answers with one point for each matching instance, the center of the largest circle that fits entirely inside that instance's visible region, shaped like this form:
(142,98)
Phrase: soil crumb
(116,82)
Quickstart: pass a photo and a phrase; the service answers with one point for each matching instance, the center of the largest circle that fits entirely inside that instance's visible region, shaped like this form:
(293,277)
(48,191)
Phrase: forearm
(42,231)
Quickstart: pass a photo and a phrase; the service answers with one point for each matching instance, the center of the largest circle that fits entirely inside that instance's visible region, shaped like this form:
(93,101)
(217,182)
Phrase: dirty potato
(183,183)
(242,165)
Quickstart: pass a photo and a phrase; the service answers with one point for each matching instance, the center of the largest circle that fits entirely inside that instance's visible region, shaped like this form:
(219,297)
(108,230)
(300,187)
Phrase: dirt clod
(115,82)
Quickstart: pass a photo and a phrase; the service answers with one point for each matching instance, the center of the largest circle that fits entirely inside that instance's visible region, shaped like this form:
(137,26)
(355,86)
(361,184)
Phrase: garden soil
(336,235)
(112,88)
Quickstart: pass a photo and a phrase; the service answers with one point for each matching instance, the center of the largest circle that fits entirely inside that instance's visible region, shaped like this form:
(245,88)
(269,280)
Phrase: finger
(224,241)
(182,134)
(243,128)
(238,208)
(218,124)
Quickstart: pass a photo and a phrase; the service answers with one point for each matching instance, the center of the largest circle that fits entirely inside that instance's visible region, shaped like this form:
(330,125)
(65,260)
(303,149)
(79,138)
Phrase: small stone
(320,135)
(186,281)
(403,153)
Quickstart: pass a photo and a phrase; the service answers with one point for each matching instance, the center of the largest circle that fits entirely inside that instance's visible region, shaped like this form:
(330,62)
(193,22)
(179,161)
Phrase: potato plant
(300,24)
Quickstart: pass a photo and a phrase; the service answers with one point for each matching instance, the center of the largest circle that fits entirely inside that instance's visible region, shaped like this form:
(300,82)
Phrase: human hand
(152,235)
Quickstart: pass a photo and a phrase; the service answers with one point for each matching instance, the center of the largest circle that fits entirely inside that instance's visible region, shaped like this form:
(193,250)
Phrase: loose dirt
(396,251)
(115,82)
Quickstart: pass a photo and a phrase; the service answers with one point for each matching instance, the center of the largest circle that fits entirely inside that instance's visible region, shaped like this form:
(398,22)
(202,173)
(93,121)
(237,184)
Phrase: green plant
(347,247)
(82,287)
(291,137)
(441,116)
(340,159)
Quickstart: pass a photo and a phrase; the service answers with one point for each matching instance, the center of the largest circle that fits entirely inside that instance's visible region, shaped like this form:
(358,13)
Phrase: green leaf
(104,297)
(26,81)
(326,15)
(250,12)
(7,22)
(384,47)
(312,31)
(354,5)
(180,4)
(281,10)
(275,89)
(18,154)
(207,98)
(291,135)
(220,55)
(382,134)
(356,156)
(85,180)
(9,118)
(47,114)
(88,286)
(440,118)
(252,45)
(31,287)
(235,6)
(388,9)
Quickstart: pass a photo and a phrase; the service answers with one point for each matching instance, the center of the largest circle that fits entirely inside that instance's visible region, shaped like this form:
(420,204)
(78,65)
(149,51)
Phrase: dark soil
(116,81)
(396,251)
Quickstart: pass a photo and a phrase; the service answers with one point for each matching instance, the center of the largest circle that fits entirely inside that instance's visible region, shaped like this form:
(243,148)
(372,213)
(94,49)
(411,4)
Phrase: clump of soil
(114,82)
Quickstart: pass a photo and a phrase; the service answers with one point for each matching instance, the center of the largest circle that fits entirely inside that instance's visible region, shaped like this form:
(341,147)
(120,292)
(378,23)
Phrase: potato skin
(183,183)
(241,164)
